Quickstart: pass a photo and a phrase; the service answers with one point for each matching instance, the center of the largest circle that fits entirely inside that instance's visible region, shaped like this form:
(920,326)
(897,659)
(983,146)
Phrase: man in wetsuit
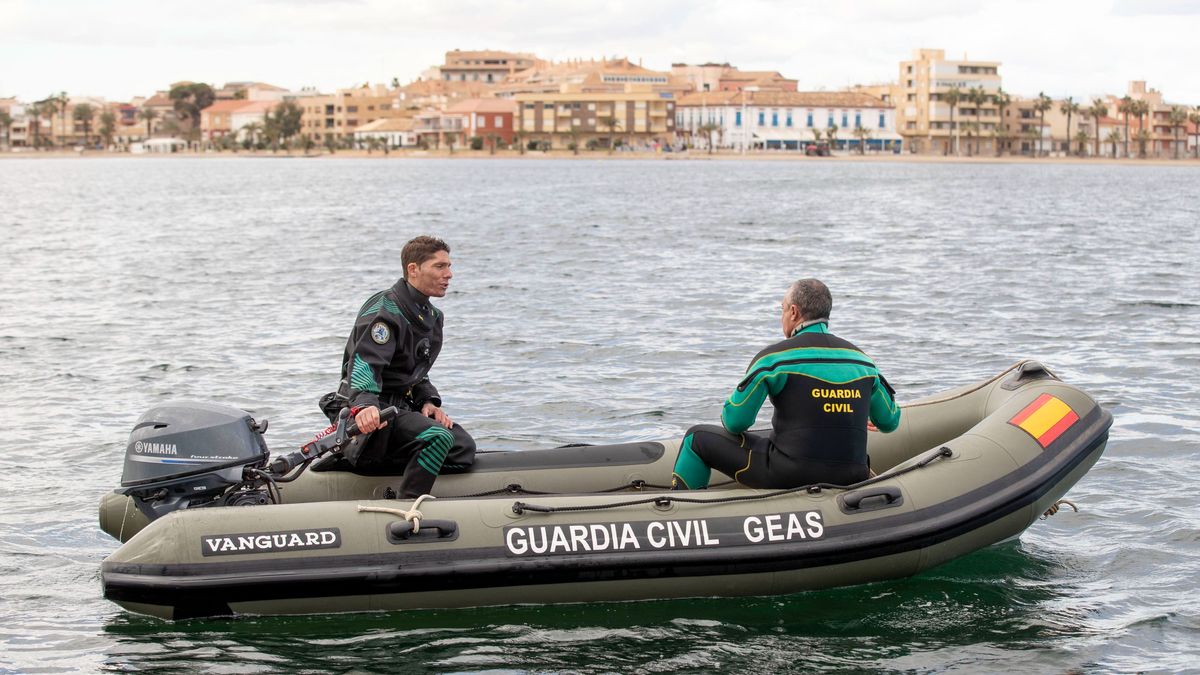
(396,338)
(823,389)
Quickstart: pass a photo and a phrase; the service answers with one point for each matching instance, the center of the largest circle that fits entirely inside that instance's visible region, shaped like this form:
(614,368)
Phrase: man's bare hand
(431,410)
(367,420)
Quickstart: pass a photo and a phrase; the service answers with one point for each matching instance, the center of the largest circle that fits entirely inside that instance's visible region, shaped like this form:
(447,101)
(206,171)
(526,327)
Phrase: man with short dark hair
(396,338)
(824,391)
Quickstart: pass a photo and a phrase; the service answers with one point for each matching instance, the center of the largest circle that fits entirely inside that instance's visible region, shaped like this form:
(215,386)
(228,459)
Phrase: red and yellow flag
(1045,419)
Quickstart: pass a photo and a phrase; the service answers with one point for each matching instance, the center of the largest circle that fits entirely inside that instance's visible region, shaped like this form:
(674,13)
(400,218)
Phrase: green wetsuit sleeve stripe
(362,377)
(741,408)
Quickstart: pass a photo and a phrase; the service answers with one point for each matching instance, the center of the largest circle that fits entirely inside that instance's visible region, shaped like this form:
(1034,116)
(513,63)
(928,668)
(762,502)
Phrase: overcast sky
(123,48)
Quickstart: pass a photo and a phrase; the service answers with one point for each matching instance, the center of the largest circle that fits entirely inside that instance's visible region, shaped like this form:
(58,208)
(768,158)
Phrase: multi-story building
(338,115)
(487,66)
(924,116)
(484,117)
(724,77)
(783,120)
(592,76)
(251,91)
(605,118)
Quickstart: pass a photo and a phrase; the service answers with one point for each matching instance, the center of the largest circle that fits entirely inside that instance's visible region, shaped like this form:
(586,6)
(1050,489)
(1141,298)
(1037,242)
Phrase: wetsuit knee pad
(432,455)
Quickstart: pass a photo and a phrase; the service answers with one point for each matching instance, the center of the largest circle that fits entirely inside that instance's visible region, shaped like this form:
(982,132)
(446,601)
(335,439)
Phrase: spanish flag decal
(1045,419)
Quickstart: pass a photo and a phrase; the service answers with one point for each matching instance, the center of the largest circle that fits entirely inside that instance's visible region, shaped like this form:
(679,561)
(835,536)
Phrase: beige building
(486,66)
(602,118)
(592,76)
(340,114)
(923,115)
(724,77)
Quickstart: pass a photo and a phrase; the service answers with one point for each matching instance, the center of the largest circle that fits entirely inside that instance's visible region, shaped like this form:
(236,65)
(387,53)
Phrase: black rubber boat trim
(206,589)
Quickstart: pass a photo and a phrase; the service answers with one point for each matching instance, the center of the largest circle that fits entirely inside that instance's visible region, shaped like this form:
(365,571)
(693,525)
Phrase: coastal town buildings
(783,120)
(597,119)
(486,66)
(925,118)
(485,118)
(393,132)
(336,116)
(593,76)
(724,77)
(251,91)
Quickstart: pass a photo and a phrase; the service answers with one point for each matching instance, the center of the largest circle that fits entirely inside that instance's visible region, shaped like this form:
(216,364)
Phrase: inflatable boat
(967,468)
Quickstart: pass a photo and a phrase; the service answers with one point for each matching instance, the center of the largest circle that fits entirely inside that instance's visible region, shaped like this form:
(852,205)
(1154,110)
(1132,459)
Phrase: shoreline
(780,156)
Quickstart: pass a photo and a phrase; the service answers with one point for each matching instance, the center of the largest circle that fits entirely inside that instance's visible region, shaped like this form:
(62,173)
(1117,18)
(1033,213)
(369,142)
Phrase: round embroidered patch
(380,333)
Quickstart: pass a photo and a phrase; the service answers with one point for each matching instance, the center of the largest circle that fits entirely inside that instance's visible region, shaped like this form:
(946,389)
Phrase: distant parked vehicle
(817,150)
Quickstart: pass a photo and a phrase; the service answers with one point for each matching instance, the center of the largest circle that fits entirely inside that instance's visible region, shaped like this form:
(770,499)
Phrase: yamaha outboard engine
(184,455)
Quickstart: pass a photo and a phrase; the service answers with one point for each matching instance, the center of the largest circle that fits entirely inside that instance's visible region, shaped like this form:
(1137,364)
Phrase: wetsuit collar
(412,293)
(813,326)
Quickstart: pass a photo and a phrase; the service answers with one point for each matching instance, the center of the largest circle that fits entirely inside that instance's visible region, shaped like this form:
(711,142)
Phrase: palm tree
(707,129)
(450,138)
(952,98)
(83,114)
(970,128)
(1126,108)
(1097,110)
(61,100)
(1143,137)
(6,122)
(519,136)
(492,141)
(251,131)
(862,134)
(34,113)
(1177,119)
(1142,109)
(1042,104)
(1082,137)
(612,123)
(977,96)
(108,124)
(148,115)
(1069,107)
(831,134)
(1114,137)
(1194,118)
(1002,100)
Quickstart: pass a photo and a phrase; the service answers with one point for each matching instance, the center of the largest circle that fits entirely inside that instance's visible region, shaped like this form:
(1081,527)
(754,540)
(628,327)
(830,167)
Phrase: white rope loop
(413,515)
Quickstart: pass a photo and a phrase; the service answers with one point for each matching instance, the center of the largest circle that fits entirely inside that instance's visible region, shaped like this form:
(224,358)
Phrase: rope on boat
(1054,508)
(517,489)
(664,501)
(412,515)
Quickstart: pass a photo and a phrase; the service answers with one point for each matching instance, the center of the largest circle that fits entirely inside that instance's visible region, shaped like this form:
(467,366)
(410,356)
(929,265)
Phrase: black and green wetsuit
(824,390)
(396,338)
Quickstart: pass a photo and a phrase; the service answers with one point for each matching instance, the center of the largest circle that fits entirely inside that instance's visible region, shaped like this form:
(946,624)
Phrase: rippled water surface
(603,301)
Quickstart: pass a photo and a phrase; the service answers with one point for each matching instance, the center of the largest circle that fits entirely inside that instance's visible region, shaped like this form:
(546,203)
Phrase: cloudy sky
(123,48)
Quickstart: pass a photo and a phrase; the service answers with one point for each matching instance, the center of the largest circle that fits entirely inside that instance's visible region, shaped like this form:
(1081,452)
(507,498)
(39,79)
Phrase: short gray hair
(812,298)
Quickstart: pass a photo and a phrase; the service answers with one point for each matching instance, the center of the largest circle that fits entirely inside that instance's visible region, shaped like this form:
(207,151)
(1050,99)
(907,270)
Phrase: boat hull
(983,479)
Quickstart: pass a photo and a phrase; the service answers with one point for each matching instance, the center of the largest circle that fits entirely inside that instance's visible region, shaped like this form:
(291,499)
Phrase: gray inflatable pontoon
(966,469)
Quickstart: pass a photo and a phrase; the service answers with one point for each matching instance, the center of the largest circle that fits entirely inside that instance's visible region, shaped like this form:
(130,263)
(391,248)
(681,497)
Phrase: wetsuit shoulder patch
(380,333)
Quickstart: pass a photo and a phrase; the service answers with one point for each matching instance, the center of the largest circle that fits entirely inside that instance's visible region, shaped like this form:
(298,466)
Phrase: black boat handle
(403,529)
(871,499)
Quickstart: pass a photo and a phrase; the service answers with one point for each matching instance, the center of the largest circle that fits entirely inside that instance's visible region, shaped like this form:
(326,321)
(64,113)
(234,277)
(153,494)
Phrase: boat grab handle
(401,530)
(870,499)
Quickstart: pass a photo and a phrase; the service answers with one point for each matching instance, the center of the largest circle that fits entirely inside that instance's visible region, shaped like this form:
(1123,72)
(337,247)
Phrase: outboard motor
(184,455)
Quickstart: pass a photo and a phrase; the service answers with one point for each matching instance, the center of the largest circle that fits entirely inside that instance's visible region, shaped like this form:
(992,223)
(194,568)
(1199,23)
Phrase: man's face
(431,277)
